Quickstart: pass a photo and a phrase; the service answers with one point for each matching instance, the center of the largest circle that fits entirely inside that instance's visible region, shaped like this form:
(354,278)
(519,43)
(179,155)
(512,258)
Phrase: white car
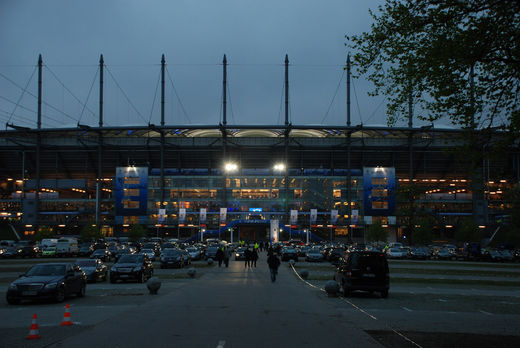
(396,253)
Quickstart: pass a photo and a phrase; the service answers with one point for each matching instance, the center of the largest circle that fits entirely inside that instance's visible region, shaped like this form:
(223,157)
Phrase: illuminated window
(379,193)
(131,180)
(336,193)
(131,192)
(380,205)
(379,181)
(275,194)
(127,204)
(298,194)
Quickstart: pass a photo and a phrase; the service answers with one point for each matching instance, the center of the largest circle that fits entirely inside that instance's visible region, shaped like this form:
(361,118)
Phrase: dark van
(363,270)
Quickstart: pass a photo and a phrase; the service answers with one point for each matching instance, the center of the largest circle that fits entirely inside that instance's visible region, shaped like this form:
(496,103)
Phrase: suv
(132,267)
(363,270)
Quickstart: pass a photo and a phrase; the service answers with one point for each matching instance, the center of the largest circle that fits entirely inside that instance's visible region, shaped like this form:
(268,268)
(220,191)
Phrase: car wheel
(13,301)
(60,295)
(82,290)
(384,294)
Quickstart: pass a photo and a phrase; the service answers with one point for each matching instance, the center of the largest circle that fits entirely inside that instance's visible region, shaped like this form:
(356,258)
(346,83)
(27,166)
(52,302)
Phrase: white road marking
(407,309)
(221,344)
(484,312)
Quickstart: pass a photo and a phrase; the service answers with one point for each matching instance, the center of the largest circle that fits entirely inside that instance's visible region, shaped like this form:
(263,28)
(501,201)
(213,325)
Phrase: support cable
(32,95)
(154,97)
(124,94)
(27,109)
(177,96)
(333,98)
(230,104)
(68,90)
(21,96)
(88,95)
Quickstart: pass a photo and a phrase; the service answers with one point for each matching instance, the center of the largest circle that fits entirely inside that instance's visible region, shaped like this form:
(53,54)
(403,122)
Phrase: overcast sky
(194,35)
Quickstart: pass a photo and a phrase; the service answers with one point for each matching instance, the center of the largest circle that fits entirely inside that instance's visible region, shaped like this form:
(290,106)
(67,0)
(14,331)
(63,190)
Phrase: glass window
(131,180)
(131,192)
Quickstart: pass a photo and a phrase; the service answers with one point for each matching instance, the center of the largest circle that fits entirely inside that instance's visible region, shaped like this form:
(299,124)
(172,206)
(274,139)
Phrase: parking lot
(430,304)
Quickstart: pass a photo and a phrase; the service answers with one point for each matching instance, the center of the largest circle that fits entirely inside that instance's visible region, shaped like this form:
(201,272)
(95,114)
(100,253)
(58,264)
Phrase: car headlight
(12,286)
(51,285)
(113,269)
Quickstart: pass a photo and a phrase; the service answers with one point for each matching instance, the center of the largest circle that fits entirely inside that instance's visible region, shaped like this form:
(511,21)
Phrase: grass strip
(475,272)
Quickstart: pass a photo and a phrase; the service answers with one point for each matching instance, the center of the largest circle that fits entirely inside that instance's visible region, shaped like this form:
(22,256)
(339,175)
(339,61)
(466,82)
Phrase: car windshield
(171,252)
(130,259)
(86,263)
(98,251)
(46,270)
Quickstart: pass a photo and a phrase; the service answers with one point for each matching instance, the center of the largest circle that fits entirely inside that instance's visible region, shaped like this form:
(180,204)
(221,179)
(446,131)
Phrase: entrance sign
(223,215)
(182,215)
(333,216)
(294,217)
(314,216)
(202,218)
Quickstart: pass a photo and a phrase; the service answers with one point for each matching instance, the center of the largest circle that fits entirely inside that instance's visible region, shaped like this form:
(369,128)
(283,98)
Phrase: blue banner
(379,191)
(131,191)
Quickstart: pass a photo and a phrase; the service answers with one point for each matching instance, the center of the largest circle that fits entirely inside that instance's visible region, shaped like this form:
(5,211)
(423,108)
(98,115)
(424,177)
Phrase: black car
(172,258)
(11,252)
(95,270)
(132,267)
(85,249)
(124,251)
(48,281)
(30,251)
(102,254)
(239,253)
(211,252)
(335,254)
(363,270)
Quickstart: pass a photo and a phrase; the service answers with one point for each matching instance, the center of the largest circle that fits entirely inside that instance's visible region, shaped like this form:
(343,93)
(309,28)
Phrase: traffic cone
(33,332)
(66,317)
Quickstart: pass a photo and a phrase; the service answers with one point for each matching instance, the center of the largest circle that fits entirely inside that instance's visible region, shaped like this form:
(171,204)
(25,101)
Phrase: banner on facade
(182,215)
(202,218)
(314,216)
(333,216)
(223,216)
(162,216)
(354,218)
(274,231)
(294,217)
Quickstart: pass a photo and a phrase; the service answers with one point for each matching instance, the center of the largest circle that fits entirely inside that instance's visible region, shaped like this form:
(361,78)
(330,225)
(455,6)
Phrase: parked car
(195,253)
(48,281)
(396,253)
(365,271)
(211,252)
(443,254)
(30,251)
(132,267)
(95,270)
(289,253)
(507,255)
(49,251)
(172,258)
(148,252)
(11,252)
(102,254)
(314,255)
(419,253)
(335,254)
(85,249)
(124,251)
(187,256)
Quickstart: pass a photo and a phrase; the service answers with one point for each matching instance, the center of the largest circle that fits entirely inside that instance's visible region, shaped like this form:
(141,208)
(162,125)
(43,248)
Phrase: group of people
(251,257)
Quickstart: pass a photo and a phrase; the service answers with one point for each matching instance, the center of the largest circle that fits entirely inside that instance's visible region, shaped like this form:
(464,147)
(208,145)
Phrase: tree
(136,232)
(43,233)
(422,235)
(408,211)
(459,59)
(91,232)
(376,233)
(467,231)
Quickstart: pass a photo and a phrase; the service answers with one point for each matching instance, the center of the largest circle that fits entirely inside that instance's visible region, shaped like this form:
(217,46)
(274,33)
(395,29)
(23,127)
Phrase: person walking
(247,257)
(274,262)
(226,255)
(219,256)
(254,257)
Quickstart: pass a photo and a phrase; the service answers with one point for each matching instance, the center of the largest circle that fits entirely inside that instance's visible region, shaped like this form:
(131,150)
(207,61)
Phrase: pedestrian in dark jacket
(219,256)
(274,262)
(254,257)
(226,255)
(247,257)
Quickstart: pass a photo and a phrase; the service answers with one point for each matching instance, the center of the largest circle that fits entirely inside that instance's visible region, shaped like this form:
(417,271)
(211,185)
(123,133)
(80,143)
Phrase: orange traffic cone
(33,332)
(66,317)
